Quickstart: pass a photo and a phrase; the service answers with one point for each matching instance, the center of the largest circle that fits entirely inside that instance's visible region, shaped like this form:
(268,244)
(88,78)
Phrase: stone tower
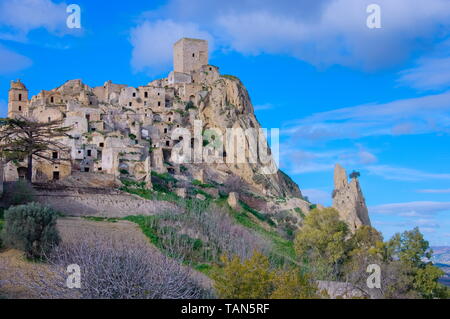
(17,99)
(189,55)
(349,200)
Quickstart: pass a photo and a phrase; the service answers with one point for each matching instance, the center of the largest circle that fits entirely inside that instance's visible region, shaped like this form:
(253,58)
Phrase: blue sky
(374,100)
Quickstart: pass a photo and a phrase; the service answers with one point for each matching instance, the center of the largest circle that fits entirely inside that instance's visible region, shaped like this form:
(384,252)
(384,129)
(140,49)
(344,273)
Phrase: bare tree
(234,183)
(213,226)
(112,269)
(27,139)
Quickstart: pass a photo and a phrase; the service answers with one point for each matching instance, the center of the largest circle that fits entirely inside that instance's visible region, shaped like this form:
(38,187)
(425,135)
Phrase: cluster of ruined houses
(117,129)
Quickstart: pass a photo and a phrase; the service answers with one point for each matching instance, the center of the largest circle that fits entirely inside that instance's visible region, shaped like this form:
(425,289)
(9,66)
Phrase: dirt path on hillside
(101,202)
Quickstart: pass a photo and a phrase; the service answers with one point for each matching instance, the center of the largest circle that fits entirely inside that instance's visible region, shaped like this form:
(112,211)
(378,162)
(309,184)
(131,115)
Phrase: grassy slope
(282,249)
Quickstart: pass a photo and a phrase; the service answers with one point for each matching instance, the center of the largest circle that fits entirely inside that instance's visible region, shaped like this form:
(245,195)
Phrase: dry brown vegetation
(116,261)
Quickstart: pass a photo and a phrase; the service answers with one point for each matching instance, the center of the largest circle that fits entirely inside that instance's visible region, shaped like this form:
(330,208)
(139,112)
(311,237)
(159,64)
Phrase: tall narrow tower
(189,55)
(17,100)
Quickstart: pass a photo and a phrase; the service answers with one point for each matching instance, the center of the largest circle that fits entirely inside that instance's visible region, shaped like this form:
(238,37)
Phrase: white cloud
(427,229)
(312,161)
(22,16)
(427,222)
(434,191)
(431,72)
(152,43)
(404,174)
(262,107)
(411,209)
(11,62)
(426,114)
(322,32)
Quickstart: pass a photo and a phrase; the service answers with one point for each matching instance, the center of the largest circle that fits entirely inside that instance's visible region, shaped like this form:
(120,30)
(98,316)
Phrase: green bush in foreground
(253,278)
(31,228)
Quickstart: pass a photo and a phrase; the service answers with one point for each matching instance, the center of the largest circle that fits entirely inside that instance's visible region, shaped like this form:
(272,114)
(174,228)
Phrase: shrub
(21,192)
(250,279)
(31,228)
(255,279)
(196,182)
(355,174)
(321,240)
(163,182)
(211,230)
(132,183)
(111,268)
(233,183)
(261,217)
(292,284)
(190,105)
(117,270)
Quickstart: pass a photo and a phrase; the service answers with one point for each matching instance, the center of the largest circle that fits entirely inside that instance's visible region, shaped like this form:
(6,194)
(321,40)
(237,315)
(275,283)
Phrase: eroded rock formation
(349,200)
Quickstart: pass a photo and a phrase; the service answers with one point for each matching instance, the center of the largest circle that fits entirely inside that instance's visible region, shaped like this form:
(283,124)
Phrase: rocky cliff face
(349,200)
(225,103)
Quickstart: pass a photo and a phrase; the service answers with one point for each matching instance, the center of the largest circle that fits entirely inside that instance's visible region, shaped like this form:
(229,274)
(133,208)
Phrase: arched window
(20,97)
(51,99)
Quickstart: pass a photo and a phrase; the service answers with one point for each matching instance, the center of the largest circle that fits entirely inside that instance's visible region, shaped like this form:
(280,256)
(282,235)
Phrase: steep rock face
(226,104)
(349,200)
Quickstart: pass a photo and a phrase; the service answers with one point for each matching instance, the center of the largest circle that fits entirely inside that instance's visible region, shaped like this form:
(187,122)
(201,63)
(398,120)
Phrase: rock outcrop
(233,201)
(226,104)
(349,200)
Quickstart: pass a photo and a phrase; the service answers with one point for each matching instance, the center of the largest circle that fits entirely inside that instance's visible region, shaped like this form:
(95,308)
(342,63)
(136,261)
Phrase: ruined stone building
(127,132)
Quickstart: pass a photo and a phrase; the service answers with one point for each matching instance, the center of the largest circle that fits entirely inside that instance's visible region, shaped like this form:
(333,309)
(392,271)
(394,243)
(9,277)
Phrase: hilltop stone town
(125,132)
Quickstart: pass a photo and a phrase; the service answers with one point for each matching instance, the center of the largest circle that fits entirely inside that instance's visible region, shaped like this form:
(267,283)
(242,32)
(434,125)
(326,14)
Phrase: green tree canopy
(321,242)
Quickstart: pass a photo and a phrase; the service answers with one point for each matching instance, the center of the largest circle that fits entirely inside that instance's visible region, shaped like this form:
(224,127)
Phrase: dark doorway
(56,176)
(22,172)
(167,155)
